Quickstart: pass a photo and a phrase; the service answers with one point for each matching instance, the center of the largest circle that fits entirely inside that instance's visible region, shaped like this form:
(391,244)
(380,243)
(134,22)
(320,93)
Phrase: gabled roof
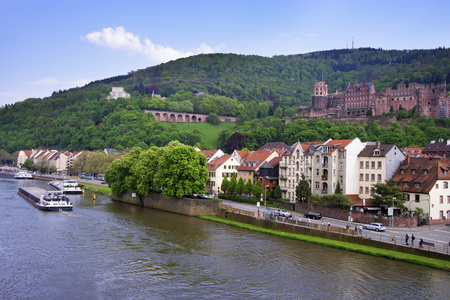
(273,146)
(215,163)
(412,171)
(335,144)
(369,150)
(437,147)
(254,160)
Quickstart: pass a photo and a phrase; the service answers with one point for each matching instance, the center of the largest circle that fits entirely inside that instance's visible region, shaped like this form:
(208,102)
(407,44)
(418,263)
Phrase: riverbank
(405,257)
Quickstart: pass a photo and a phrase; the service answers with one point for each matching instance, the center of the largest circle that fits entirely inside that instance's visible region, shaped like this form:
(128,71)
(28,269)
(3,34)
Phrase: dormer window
(445,172)
(417,184)
(425,172)
(376,152)
(402,171)
(413,171)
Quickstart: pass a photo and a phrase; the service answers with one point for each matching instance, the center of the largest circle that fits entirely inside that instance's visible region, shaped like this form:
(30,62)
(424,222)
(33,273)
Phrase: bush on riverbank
(104,190)
(405,257)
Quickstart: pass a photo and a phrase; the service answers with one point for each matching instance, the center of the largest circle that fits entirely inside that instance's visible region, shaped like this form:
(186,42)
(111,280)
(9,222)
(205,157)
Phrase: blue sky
(52,45)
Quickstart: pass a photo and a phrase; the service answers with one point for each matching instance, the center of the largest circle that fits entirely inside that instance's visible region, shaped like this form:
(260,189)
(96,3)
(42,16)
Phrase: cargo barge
(46,200)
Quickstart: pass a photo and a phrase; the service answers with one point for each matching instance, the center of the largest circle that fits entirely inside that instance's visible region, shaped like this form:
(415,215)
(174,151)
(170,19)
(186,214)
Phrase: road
(437,234)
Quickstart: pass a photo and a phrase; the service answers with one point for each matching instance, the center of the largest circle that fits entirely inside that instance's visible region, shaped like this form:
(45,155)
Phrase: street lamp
(393,198)
(265,201)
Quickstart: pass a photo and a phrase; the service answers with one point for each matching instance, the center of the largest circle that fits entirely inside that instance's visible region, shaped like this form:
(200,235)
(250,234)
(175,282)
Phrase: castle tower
(320,95)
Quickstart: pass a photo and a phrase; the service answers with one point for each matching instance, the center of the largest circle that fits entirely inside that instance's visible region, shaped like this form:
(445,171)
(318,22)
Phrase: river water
(110,250)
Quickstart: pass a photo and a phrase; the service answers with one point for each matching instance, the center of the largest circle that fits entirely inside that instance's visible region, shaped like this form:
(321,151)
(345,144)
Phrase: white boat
(23,175)
(66,186)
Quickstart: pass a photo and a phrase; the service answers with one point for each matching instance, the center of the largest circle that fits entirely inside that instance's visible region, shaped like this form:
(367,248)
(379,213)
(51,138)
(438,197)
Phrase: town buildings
(425,182)
(361,99)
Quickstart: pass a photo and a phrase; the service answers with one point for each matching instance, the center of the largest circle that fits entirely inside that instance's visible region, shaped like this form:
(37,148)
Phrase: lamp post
(265,201)
(393,199)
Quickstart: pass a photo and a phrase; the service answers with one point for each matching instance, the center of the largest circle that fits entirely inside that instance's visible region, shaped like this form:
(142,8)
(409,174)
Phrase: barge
(46,200)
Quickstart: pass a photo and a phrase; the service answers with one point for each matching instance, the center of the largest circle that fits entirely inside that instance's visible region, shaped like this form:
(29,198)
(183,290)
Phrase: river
(109,250)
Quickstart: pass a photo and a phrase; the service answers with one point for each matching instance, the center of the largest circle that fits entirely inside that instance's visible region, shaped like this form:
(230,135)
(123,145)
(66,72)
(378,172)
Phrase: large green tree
(182,171)
(384,194)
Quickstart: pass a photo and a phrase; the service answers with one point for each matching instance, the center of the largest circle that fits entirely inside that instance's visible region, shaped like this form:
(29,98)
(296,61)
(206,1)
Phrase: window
(437,185)
(448,199)
(441,199)
(297,177)
(379,177)
(361,177)
(376,152)
(317,185)
(361,165)
(405,183)
(341,166)
(417,184)
(373,165)
(417,198)
(317,172)
(402,171)
(367,164)
(373,178)
(367,177)
(425,172)
(367,190)
(361,190)
(379,165)
(341,179)
(445,185)
(413,171)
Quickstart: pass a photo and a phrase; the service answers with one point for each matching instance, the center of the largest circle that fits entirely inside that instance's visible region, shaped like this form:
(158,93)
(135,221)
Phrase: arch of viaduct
(169,116)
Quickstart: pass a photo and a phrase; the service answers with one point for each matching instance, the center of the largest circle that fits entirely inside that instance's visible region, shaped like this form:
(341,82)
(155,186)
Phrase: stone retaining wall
(184,206)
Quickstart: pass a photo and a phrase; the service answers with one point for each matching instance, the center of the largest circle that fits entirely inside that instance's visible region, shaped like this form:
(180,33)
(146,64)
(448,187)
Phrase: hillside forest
(263,92)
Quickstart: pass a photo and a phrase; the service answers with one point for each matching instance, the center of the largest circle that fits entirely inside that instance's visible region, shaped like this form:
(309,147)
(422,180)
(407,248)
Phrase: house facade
(336,162)
(218,169)
(247,169)
(377,163)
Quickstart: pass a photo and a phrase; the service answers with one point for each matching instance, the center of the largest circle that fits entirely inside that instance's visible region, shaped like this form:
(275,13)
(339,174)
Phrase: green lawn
(405,257)
(209,133)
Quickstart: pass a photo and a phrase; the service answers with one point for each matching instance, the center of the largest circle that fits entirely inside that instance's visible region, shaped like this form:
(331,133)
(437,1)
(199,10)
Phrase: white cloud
(119,39)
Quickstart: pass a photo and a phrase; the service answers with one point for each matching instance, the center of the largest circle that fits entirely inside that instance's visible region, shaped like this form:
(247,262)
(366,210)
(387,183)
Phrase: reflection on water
(105,249)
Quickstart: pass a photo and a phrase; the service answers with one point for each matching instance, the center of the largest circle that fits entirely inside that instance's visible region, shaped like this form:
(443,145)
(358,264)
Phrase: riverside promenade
(337,230)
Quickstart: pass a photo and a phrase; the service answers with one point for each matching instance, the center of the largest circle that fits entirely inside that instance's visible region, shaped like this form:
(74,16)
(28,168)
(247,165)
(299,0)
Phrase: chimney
(378,144)
(408,159)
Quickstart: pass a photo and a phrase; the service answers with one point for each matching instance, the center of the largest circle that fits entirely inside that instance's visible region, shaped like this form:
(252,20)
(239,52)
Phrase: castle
(428,99)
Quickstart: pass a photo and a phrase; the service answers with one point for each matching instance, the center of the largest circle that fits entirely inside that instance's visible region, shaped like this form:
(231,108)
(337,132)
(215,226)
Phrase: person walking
(420,243)
(406,239)
(412,239)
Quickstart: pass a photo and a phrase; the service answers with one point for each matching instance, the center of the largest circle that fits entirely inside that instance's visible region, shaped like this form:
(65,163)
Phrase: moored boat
(23,175)
(66,186)
(46,200)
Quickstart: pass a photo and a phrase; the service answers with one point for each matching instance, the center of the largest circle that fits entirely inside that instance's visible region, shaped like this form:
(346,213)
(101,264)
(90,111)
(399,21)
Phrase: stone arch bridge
(178,117)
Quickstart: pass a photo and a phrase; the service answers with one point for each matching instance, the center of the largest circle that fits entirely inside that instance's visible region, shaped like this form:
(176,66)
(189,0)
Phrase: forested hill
(248,87)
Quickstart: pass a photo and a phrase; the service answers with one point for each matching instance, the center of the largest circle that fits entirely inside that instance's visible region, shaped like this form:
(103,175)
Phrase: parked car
(313,215)
(375,226)
(284,213)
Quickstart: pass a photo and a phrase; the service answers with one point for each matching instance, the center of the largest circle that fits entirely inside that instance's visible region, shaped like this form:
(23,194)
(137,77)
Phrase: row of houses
(61,160)
(355,166)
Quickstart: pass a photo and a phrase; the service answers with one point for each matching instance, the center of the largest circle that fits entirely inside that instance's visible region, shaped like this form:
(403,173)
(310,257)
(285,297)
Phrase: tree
(277,194)
(27,164)
(240,186)
(384,193)
(338,189)
(224,185)
(233,183)
(53,169)
(213,119)
(119,176)
(257,189)
(303,190)
(248,187)
(182,171)
(278,113)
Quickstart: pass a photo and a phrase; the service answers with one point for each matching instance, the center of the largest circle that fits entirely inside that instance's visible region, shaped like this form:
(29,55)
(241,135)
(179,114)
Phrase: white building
(218,169)
(119,92)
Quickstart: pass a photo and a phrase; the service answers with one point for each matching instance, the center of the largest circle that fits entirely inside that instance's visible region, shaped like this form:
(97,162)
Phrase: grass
(209,133)
(104,190)
(405,257)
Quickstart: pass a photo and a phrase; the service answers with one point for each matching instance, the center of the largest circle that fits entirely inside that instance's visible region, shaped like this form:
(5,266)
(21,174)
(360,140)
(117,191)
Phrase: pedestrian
(420,243)
(406,239)
(412,239)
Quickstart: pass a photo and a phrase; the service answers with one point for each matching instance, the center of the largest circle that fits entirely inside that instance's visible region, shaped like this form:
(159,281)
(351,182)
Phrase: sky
(54,45)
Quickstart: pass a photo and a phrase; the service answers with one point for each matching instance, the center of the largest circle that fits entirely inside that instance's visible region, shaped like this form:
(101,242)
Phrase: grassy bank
(415,259)
(104,190)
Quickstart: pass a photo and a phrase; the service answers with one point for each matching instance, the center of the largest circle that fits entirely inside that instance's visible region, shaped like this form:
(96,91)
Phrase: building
(425,183)
(218,169)
(377,163)
(440,148)
(212,154)
(250,166)
(118,92)
(268,173)
(361,98)
(333,162)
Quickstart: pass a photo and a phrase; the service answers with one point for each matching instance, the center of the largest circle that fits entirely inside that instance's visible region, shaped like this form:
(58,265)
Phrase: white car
(375,226)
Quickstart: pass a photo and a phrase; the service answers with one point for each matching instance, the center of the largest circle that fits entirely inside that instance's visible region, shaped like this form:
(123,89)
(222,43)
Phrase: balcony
(324,177)
(282,176)
(284,188)
(283,165)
